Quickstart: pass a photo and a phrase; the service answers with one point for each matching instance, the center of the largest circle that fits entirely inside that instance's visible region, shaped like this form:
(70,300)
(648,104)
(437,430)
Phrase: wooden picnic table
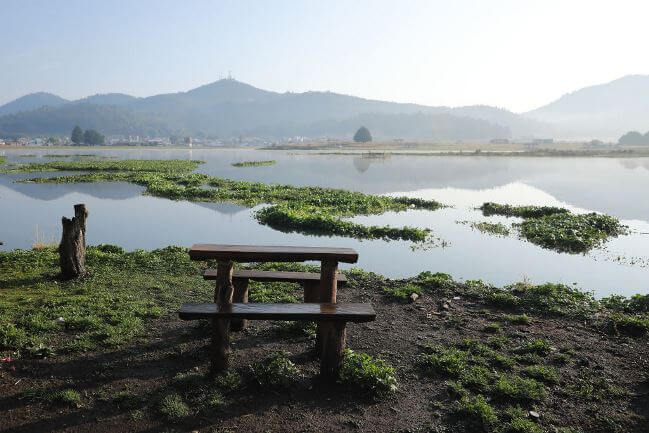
(226,255)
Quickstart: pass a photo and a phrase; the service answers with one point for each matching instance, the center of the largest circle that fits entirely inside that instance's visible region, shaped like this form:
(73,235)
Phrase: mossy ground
(311,210)
(461,356)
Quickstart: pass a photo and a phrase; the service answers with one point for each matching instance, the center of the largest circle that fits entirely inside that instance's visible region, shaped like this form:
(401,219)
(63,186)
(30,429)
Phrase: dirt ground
(146,366)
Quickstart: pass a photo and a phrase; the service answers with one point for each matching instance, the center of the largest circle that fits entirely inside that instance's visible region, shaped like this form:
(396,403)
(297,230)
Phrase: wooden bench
(334,315)
(330,338)
(310,282)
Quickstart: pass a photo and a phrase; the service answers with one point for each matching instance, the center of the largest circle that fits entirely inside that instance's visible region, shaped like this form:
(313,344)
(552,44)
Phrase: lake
(120,214)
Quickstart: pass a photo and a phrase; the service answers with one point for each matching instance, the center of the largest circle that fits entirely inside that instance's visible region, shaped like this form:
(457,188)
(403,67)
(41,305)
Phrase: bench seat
(344,312)
(267,276)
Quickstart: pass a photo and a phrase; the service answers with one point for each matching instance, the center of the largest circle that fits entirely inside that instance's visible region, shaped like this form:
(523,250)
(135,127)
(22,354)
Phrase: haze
(512,54)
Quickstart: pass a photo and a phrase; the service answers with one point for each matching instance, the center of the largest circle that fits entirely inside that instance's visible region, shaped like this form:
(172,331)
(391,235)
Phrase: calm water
(119,214)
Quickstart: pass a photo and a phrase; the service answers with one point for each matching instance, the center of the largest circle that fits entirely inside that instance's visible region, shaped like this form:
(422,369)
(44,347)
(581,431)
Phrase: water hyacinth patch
(253,163)
(557,228)
(312,210)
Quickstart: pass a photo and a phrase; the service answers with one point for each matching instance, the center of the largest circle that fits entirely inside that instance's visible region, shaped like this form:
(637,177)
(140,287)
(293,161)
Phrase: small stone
(413,297)
(445,306)
(534,415)
(60,320)
(196,368)
(456,298)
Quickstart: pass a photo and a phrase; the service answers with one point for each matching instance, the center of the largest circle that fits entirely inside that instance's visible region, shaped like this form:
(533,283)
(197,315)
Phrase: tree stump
(72,249)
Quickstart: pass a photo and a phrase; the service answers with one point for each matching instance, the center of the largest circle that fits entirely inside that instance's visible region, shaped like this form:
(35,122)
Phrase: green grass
(517,319)
(496,229)
(68,397)
(477,411)
(366,374)
(105,309)
(542,373)
(401,293)
(490,208)
(2,160)
(310,210)
(445,361)
(253,163)
(516,388)
(627,324)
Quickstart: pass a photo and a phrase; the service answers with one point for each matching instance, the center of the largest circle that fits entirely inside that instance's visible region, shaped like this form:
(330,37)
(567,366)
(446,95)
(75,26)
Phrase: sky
(517,54)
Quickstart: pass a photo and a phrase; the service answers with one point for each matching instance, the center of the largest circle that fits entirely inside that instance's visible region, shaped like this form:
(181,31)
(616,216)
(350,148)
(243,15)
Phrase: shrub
(538,346)
(517,319)
(276,371)
(173,407)
(366,373)
(635,326)
(477,378)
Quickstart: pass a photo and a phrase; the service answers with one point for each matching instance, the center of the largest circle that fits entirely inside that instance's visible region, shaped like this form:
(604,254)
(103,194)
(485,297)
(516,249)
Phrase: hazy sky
(516,54)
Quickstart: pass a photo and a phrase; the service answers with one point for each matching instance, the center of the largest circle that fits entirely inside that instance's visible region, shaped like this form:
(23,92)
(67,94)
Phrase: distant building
(499,141)
(543,141)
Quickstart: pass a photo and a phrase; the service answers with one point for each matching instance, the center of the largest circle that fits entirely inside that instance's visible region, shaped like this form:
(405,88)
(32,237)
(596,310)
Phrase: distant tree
(77,135)
(633,137)
(93,138)
(362,135)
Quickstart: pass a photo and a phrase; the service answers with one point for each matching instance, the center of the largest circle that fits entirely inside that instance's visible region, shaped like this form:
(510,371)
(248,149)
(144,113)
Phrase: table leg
(221,327)
(328,289)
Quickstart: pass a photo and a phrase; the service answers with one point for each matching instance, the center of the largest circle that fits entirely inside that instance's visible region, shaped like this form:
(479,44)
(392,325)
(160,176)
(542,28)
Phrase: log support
(332,336)
(328,290)
(72,249)
(240,297)
(223,295)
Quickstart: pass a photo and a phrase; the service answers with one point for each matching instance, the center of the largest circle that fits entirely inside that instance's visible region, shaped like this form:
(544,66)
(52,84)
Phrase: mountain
(109,99)
(604,111)
(31,102)
(229,108)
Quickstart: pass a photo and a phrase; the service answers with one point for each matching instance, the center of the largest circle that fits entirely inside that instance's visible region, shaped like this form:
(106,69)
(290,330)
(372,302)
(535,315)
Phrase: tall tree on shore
(77,135)
(93,138)
(362,135)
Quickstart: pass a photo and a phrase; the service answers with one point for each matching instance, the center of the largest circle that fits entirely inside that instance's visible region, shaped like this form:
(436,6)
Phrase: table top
(264,253)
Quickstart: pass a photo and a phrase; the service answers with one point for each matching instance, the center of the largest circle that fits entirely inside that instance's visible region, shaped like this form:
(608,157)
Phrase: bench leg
(332,336)
(220,359)
(221,327)
(240,296)
(327,286)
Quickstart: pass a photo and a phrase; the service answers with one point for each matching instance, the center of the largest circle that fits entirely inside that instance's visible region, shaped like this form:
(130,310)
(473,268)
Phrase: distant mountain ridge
(604,110)
(229,108)
(32,102)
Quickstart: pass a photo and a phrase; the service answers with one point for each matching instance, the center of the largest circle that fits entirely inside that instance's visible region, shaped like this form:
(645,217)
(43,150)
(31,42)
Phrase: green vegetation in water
(70,155)
(313,210)
(497,229)
(557,229)
(253,163)
(2,160)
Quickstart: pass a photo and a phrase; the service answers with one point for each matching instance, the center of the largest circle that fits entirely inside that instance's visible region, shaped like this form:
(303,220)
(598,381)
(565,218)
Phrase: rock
(60,320)
(445,306)
(413,297)
(456,298)
(534,415)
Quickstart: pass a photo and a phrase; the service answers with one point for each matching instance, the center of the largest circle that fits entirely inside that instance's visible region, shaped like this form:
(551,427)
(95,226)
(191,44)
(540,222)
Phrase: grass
(478,411)
(558,229)
(2,160)
(516,388)
(253,163)
(367,374)
(310,210)
(542,373)
(40,313)
(68,397)
(517,319)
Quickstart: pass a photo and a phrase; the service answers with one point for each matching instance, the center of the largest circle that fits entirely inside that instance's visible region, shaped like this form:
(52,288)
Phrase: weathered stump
(328,288)
(72,249)
(223,295)
(332,336)
(240,296)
